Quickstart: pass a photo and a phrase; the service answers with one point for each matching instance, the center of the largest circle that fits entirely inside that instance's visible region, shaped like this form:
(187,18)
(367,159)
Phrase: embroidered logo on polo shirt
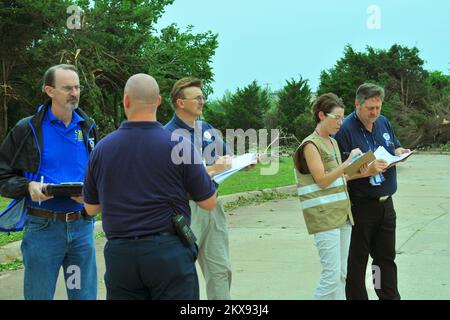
(207,135)
(387,140)
(78,135)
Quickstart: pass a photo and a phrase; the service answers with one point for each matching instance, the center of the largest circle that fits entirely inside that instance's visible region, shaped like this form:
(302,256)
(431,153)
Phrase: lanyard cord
(379,178)
(375,144)
(367,141)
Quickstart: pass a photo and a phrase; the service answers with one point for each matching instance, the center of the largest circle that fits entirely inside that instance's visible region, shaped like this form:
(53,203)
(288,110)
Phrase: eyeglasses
(68,89)
(335,117)
(199,99)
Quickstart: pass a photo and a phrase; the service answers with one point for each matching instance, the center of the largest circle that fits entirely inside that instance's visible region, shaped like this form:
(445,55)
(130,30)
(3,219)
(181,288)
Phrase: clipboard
(353,168)
(64,189)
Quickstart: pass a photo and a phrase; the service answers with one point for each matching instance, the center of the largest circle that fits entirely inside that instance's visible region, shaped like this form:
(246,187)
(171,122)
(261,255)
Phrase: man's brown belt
(64,216)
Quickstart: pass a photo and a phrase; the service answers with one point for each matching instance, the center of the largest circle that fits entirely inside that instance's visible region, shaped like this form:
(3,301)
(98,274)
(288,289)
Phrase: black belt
(149,235)
(379,199)
(55,215)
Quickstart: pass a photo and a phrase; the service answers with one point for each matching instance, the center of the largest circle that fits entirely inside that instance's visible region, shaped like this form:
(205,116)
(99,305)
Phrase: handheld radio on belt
(182,228)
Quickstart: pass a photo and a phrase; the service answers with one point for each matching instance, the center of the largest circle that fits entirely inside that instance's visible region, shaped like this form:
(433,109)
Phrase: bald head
(141,96)
(142,88)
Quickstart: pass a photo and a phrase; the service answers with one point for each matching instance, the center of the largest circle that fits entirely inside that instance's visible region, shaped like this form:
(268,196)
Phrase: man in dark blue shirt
(210,227)
(134,179)
(371,197)
(53,146)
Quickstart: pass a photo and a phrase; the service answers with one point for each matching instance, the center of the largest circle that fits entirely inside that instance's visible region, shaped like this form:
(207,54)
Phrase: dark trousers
(374,234)
(153,268)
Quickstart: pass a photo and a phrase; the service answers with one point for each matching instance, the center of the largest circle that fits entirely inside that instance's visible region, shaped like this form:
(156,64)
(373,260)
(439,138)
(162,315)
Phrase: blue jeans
(46,246)
(153,268)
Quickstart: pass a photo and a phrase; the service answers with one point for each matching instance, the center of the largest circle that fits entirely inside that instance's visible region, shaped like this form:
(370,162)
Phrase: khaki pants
(211,230)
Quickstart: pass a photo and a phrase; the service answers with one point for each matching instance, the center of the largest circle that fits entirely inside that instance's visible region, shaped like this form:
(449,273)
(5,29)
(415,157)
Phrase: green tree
(438,88)
(304,125)
(437,100)
(343,79)
(246,108)
(400,71)
(294,99)
(177,54)
(23,23)
(116,39)
(214,112)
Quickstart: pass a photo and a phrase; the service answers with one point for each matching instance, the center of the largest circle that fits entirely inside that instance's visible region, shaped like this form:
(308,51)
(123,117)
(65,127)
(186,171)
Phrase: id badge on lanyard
(378,179)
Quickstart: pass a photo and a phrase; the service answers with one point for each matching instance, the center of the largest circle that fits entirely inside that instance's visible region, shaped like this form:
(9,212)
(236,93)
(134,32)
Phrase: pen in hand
(42,182)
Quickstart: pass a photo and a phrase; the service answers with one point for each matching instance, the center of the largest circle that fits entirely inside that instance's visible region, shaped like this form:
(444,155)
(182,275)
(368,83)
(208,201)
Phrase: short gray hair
(49,75)
(367,91)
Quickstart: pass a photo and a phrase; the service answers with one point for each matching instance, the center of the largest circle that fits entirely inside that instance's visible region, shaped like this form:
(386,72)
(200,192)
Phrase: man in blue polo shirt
(371,196)
(133,180)
(210,227)
(53,147)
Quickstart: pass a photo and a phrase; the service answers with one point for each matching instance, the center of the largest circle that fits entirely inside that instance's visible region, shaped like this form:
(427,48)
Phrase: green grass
(5,237)
(99,235)
(10,266)
(445,147)
(253,180)
(3,203)
(260,198)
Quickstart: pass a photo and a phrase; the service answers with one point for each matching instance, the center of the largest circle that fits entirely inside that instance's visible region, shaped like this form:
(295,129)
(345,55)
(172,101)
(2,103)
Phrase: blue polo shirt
(132,176)
(204,135)
(63,159)
(353,134)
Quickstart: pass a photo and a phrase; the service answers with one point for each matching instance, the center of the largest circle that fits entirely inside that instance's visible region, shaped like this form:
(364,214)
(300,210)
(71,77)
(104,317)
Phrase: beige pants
(211,230)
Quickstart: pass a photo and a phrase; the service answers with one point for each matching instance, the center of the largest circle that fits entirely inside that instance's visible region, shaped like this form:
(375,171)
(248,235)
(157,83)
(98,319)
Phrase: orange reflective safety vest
(323,209)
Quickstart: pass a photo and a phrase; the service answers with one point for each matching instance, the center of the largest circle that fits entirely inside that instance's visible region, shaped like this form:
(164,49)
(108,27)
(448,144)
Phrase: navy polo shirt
(132,176)
(63,159)
(353,134)
(204,134)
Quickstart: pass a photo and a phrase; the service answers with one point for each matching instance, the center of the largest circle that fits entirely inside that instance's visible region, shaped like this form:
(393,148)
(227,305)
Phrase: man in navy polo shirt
(53,147)
(371,197)
(210,227)
(137,185)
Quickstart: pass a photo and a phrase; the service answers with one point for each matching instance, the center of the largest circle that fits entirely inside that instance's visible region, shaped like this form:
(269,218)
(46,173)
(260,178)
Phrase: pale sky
(272,41)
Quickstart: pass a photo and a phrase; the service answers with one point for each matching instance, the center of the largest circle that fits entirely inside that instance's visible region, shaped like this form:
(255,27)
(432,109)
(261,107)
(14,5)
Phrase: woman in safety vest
(322,190)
